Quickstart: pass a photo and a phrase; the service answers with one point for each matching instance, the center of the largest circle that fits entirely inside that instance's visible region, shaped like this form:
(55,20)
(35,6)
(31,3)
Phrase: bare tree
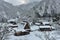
(3,31)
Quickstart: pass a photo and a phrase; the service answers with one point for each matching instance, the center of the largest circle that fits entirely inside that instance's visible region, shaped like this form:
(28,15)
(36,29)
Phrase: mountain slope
(47,6)
(25,11)
(8,11)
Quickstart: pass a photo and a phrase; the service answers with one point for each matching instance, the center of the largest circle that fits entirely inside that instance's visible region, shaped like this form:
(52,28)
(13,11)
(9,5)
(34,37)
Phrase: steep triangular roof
(27,26)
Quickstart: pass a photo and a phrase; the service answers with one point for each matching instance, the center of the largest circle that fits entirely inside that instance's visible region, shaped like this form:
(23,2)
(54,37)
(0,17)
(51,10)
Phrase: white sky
(19,2)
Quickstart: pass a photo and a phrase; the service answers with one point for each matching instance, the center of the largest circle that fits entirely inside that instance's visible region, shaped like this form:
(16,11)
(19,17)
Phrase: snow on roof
(46,22)
(34,27)
(19,29)
(20,26)
(11,25)
(45,26)
(11,20)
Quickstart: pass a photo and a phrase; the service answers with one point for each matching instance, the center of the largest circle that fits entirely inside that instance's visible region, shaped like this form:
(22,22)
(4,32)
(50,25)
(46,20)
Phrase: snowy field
(54,35)
(36,35)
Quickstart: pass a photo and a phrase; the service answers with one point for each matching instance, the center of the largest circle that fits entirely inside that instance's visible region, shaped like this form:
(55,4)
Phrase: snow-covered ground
(36,35)
(54,35)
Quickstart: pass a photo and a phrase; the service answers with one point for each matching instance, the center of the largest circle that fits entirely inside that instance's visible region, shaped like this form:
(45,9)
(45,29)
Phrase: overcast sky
(19,2)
